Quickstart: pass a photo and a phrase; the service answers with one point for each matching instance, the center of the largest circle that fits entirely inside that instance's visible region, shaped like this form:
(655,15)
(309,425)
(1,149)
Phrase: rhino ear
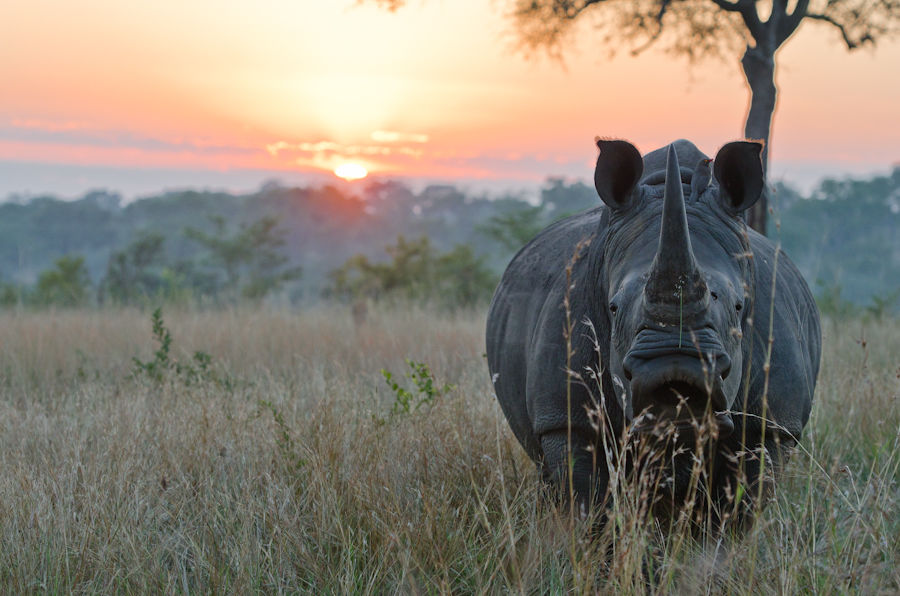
(738,170)
(619,167)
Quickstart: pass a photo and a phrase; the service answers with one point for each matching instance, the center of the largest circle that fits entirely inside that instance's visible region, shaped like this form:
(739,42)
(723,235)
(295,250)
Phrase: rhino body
(671,298)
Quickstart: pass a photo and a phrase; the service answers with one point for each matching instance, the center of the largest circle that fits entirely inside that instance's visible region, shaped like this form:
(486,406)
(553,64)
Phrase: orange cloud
(326,154)
(390,136)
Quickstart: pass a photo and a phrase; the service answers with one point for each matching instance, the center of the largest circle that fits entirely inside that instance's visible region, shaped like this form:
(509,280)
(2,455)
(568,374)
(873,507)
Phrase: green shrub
(416,273)
(424,388)
(163,366)
(67,284)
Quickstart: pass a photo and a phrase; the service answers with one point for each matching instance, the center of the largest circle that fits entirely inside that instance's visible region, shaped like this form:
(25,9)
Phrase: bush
(67,285)
(416,272)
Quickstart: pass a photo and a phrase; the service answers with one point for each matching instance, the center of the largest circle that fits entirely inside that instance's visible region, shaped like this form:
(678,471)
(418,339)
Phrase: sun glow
(351,171)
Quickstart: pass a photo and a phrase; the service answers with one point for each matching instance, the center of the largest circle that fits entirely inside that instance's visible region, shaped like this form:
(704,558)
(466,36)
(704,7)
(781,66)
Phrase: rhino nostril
(723,366)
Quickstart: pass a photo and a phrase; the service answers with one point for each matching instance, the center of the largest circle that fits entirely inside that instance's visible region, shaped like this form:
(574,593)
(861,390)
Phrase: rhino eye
(714,295)
(613,308)
(738,307)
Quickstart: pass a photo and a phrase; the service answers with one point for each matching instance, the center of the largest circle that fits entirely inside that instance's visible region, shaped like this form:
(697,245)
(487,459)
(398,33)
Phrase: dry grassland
(283,469)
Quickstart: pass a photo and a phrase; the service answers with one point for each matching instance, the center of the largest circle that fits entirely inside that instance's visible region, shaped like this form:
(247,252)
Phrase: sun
(351,171)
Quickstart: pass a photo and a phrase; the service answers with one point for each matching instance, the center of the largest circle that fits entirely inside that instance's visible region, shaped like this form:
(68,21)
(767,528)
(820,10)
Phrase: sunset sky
(142,96)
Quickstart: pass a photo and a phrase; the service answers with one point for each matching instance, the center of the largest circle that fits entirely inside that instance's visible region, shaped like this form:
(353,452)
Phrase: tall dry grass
(284,470)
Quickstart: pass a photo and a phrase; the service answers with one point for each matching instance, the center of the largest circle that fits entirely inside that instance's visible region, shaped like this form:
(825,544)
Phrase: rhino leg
(588,484)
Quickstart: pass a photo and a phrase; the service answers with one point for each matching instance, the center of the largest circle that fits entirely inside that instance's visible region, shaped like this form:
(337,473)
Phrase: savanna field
(265,451)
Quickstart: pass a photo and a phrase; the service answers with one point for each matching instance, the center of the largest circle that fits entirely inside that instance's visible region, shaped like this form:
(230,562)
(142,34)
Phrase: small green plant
(163,364)
(157,368)
(286,445)
(425,391)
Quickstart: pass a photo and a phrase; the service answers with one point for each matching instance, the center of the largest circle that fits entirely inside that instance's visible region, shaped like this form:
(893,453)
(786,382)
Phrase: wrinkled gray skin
(679,292)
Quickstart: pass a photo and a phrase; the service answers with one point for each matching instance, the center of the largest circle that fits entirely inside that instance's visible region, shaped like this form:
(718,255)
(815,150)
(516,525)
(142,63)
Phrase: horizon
(72,182)
(144,99)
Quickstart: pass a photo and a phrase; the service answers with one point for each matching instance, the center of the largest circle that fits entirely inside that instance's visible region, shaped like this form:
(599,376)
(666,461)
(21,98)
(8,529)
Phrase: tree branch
(735,6)
(545,23)
(663,8)
(572,10)
(851,44)
(747,10)
(792,21)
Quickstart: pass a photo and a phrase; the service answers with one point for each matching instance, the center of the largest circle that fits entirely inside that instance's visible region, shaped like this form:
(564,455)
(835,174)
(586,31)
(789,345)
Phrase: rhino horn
(674,275)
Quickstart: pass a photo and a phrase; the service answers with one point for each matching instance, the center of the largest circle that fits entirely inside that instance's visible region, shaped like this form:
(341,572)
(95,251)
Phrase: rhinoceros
(654,308)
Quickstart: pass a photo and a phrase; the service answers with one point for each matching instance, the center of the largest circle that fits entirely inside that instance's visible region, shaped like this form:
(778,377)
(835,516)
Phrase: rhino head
(677,281)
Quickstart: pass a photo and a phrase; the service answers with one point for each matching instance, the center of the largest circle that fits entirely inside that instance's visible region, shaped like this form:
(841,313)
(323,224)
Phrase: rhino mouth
(677,392)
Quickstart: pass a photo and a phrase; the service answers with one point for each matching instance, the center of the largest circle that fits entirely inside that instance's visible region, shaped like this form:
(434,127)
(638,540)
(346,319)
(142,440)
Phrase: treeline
(288,244)
(384,242)
(234,265)
(844,239)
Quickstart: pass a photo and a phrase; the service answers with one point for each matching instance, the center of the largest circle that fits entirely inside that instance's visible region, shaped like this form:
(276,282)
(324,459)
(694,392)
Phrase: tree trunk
(759,68)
